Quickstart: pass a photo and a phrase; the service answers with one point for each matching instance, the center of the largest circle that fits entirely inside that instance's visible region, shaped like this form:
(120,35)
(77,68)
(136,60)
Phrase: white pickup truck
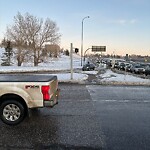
(19,93)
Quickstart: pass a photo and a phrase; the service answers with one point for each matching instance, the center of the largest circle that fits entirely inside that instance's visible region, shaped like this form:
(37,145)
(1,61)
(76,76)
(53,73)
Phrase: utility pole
(82,38)
(71,61)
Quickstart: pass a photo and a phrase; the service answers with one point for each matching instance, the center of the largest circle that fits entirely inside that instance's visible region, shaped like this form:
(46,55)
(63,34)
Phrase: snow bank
(77,77)
(113,78)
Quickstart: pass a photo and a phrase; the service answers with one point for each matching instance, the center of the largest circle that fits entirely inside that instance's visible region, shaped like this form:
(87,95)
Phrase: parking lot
(134,67)
(122,66)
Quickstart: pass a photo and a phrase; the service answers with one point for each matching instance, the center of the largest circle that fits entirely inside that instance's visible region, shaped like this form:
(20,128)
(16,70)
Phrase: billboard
(98,48)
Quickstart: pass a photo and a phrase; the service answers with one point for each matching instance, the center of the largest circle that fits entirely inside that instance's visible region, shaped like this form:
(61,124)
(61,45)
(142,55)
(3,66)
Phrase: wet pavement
(88,117)
(69,125)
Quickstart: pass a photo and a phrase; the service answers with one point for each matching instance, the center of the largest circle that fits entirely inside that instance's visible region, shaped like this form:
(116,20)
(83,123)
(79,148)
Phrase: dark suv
(147,70)
(88,67)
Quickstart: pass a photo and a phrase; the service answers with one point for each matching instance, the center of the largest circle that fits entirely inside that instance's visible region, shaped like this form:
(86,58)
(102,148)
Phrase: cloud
(133,21)
(121,21)
(124,21)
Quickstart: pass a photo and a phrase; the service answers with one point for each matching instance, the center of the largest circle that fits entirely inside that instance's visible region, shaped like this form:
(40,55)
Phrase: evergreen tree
(67,52)
(7,55)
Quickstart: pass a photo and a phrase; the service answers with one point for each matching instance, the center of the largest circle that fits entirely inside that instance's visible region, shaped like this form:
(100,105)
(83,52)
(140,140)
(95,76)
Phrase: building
(52,50)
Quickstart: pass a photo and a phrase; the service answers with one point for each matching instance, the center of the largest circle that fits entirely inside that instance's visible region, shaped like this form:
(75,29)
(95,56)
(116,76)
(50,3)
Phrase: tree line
(25,39)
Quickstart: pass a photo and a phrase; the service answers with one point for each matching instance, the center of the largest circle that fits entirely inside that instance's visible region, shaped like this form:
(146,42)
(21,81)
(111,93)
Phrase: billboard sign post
(98,48)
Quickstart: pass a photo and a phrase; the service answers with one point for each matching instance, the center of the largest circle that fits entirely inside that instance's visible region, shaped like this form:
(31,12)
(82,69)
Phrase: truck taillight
(45,92)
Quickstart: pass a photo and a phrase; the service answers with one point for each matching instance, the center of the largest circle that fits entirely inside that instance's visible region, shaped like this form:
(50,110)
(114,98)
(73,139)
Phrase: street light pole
(82,38)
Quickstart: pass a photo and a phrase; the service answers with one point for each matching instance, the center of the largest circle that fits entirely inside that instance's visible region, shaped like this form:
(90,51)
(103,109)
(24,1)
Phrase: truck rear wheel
(12,112)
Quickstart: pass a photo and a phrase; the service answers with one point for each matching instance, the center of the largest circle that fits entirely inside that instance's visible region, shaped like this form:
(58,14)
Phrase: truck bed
(26,77)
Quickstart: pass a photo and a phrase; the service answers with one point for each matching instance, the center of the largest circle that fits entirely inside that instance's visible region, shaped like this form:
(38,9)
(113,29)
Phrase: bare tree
(32,33)
(19,42)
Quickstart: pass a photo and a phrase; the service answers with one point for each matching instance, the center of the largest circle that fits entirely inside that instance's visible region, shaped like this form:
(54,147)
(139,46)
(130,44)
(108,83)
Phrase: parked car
(88,67)
(138,68)
(121,66)
(128,67)
(115,62)
(147,70)
(116,65)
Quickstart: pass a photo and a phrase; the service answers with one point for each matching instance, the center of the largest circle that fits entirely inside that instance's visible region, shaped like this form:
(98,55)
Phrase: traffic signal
(76,50)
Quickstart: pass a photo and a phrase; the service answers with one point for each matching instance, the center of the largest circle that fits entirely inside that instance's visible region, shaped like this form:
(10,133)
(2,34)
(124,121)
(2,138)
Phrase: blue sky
(123,26)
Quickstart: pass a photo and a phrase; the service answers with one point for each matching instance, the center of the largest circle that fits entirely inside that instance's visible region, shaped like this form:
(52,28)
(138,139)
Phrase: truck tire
(12,112)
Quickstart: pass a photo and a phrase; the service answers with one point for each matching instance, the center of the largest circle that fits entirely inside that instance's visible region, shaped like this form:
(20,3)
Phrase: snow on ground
(62,64)
(110,76)
(77,77)
(90,72)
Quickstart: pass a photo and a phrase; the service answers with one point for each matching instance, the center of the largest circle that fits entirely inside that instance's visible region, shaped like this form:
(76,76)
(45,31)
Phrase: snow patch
(114,78)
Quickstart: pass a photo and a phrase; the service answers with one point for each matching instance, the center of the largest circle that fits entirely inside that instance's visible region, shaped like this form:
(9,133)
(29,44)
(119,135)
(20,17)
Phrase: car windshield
(138,66)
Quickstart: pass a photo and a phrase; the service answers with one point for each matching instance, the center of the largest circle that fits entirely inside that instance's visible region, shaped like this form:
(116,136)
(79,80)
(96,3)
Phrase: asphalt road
(90,117)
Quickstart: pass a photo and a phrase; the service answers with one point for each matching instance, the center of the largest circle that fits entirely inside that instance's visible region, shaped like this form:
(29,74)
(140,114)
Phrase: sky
(123,26)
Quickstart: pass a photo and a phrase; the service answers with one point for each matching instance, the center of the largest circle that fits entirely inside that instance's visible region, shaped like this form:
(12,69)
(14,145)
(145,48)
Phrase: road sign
(98,48)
